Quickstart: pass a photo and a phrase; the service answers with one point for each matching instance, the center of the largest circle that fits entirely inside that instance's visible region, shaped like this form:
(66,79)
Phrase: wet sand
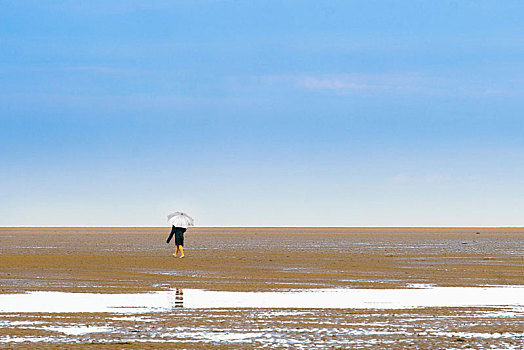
(125,260)
(257,259)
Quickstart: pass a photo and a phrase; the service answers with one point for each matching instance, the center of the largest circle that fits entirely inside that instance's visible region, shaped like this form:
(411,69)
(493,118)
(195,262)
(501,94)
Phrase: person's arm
(171,234)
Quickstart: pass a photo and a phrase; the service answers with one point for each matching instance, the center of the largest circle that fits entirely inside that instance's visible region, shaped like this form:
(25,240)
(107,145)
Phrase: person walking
(179,222)
(179,239)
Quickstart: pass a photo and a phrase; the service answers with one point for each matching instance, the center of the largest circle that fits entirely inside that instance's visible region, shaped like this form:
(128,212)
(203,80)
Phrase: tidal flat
(282,261)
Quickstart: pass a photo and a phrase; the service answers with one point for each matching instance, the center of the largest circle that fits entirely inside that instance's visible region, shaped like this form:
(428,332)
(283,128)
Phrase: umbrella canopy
(179,219)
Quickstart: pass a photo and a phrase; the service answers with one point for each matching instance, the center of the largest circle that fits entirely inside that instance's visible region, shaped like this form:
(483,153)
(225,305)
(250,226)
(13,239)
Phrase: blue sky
(262,113)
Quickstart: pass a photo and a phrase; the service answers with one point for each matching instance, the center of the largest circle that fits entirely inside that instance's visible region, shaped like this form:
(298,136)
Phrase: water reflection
(179,297)
(166,301)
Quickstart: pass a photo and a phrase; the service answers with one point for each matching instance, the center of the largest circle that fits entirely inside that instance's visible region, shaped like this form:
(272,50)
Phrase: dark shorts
(179,235)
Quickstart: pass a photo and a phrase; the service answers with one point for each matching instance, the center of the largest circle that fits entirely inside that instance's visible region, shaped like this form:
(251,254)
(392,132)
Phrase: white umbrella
(179,219)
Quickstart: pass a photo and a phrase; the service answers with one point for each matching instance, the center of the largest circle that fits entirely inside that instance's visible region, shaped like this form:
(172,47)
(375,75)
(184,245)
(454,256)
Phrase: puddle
(427,296)
(9,339)
(19,323)
(78,330)
(132,319)
(476,334)
(420,285)
(217,337)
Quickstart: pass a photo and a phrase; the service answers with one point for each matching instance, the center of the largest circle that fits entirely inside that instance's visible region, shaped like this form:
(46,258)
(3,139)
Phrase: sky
(262,113)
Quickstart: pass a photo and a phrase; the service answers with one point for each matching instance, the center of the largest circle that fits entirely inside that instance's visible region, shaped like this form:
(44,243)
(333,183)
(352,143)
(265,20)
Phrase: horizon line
(248,226)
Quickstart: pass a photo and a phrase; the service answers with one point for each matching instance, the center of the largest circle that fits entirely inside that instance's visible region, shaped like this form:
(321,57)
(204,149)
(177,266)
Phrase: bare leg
(176,251)
(181,251)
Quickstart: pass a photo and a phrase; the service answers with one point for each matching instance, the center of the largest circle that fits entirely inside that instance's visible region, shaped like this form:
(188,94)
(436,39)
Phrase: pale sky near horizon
(262,113)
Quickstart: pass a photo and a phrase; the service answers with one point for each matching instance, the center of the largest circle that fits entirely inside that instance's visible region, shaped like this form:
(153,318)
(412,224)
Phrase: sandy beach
(135,260)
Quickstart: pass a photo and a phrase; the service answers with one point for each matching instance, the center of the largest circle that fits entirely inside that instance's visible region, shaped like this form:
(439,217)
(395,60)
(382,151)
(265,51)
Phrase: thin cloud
(411,83)
(338,84)
(345,82)
(361,83)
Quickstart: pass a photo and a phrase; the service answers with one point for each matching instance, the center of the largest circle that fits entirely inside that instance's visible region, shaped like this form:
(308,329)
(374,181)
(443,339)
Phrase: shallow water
(276,328)
(418,297)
